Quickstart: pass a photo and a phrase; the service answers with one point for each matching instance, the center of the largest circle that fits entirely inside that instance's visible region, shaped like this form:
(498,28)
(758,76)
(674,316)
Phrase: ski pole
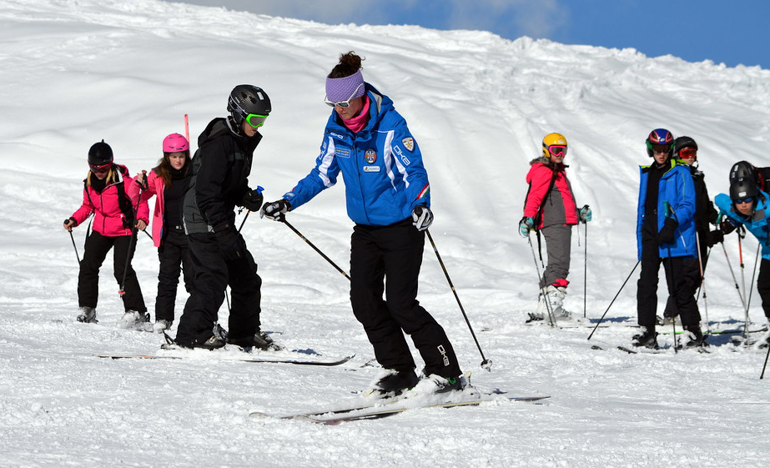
(540,280)
(702,283)
(613,299)
(671,287)
(72,236)
(122,290)
(732,273)
(283,220)
(485,363)
(751,290)
(187,128)
(765,366)
(743,282)
(585,269)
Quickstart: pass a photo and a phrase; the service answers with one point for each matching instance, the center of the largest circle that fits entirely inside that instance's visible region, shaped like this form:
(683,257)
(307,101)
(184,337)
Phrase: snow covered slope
(74,72)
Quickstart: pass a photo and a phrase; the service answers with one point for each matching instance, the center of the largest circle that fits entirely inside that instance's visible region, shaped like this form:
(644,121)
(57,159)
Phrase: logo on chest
(370,156)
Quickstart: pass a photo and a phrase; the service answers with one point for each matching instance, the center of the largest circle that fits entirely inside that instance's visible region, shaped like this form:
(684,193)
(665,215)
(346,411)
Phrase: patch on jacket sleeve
(408,143)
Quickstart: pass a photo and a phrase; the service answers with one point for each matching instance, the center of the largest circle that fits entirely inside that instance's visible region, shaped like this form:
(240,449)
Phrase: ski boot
(259,340)
(133,318)
(394,383)
(161,325)
(87,315)
(647,339)
(696,337)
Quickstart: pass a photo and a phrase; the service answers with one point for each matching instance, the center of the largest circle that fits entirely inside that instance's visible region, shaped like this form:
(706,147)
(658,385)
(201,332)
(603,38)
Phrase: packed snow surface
(76,71)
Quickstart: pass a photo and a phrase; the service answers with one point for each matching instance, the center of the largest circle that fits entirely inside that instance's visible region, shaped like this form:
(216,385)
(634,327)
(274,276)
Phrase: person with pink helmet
(168,181)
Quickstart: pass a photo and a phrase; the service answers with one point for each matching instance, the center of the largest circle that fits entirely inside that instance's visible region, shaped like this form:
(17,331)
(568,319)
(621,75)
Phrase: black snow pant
(693,271)
(763,286)
(97,247)
(174,256)
(388,259)
(212,276)
(558,243)
(681,285)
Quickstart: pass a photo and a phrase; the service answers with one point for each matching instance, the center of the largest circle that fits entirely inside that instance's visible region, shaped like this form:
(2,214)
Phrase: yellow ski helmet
(553,139)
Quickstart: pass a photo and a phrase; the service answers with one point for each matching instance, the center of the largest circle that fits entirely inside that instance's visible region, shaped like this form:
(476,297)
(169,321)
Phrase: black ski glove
(715,237)
(229,242)
(252,200)
(727,225)
(422,217)
(666,235)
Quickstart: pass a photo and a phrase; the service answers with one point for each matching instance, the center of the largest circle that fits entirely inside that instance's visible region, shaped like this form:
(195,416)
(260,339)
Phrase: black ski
(299,362)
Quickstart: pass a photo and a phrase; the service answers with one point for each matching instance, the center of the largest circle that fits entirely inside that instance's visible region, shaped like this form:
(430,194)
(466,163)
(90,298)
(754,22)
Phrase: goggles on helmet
(688,153)
(345,103)
(744,200)
(256,120)
(100,168)
(557,150)
(660,148)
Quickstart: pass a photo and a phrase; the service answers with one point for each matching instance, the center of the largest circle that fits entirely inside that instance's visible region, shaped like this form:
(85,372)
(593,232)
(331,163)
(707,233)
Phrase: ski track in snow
(77,71)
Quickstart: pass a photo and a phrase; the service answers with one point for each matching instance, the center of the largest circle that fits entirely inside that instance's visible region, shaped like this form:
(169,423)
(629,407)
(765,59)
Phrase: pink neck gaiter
(357,123)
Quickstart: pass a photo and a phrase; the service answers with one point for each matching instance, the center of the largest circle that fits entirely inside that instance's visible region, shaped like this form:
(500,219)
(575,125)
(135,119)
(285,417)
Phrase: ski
(390,407)
(299,362)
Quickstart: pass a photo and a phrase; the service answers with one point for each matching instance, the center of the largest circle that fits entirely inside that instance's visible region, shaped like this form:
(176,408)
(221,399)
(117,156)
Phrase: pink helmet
(175,143)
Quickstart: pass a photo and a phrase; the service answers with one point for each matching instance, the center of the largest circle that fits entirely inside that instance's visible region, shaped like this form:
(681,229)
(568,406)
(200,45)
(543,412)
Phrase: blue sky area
(730,32)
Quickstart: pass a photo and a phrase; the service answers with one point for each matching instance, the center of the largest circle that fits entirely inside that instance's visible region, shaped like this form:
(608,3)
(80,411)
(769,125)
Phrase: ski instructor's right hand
(275,210)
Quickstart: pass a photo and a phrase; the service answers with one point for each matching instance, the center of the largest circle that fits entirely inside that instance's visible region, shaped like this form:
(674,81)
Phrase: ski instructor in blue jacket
(388,198)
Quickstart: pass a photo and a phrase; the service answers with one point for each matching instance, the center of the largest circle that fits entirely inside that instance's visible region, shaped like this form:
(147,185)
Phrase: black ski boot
(259,340)
(697,338)
(647,339)
(395,383)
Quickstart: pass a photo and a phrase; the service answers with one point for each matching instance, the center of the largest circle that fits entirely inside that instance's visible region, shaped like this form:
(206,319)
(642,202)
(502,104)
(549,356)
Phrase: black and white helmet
(743,181)
(247,99)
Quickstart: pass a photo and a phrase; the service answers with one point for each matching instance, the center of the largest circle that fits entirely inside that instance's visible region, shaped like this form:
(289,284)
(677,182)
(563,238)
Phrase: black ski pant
(387,259)
(174,256)
(681,285)
(212,276)
(763,286)
(96,249)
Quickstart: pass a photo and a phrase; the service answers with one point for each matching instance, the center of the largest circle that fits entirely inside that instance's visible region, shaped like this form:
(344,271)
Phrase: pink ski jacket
(108,218)
(556,207)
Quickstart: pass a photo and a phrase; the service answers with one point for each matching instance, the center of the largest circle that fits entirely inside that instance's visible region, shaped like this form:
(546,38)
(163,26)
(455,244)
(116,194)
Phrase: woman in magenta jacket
(115,217)
(168,182)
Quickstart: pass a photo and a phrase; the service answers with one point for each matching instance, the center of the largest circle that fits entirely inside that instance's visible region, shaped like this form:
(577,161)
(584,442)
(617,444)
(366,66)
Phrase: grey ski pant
(558,241)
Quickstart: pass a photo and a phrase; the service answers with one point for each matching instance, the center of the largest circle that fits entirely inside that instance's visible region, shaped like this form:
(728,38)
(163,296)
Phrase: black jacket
(221,168)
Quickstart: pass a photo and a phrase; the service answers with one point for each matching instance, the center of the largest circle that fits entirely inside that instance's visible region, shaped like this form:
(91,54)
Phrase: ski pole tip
(486,364)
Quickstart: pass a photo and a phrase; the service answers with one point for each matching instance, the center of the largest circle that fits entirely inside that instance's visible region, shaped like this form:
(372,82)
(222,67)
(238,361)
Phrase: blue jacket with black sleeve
(676,198)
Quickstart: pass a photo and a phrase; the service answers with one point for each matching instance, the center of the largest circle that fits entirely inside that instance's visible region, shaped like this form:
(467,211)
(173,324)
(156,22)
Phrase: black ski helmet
(743,181)
(247,99)
(100,154)
(683,142)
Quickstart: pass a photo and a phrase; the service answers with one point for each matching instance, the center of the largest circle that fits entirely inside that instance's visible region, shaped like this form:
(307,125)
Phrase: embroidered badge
(371,156)
(371,168)
(408,143)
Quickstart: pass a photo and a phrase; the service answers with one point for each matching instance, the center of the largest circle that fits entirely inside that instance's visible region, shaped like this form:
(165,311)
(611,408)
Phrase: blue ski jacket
(381,166)
(757,223)
(676,198)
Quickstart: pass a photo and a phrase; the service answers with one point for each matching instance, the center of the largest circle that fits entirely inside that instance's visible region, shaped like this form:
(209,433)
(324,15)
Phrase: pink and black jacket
(109,219)
(549,200)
